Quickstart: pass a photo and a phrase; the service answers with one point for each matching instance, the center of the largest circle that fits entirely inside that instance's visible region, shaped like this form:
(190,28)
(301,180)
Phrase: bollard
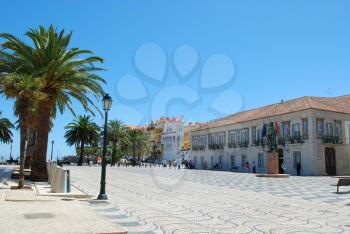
(68,189)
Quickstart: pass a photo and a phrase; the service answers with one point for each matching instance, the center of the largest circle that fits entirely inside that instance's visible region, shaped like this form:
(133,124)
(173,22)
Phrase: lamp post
(107,103)
(52,142)
(11,150)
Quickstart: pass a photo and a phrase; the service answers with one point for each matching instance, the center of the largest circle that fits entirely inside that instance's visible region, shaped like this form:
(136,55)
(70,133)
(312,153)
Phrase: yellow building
(155,132)
(187,136)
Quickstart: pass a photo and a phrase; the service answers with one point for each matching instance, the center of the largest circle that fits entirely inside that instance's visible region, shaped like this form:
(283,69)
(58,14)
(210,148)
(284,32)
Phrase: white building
(311,130)
(172,138)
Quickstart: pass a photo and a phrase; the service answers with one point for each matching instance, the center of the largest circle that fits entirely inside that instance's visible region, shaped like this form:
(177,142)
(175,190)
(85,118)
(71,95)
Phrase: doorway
(330,162)
(280,161)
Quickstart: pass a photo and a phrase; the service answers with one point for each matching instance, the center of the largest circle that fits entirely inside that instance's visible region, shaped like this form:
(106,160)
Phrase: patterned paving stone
(160,200)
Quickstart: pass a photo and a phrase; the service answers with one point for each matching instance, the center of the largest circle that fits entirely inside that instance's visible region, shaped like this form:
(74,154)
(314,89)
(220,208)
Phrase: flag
(276,128)
(264,131)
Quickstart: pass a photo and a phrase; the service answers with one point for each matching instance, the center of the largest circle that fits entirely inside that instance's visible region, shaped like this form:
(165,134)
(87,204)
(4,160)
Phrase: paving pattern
(158,200)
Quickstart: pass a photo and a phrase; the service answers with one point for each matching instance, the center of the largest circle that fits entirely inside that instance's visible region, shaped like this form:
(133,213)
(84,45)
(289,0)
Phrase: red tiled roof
(339,104)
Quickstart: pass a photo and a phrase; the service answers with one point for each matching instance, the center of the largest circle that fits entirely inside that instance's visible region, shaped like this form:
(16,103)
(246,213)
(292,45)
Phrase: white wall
(312,150)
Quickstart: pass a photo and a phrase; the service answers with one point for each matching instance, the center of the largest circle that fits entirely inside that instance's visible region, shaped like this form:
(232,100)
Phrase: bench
(342,181)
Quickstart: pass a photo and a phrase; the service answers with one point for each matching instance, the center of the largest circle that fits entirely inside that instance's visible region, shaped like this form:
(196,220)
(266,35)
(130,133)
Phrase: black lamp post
(107,103)
(52,142)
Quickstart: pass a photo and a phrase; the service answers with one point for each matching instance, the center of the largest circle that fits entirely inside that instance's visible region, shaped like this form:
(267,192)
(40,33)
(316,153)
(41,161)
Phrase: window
(261,162)
(258,134)
(195,161)
(254,135)
(286,130)
(244,160)
(244,140)
(232,139)
(338,131)
(329,129)
(199,142)
(296,158)
(296,131)
(220,160)
(305,128)
(233,161)
(238,138)
(216,140)
(319,128)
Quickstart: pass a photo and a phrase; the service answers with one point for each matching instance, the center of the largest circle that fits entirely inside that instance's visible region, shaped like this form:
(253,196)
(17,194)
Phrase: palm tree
(25,89)
(117,135)
(30,148)
(138,142)
(65,74)
(5,130)
(81,132)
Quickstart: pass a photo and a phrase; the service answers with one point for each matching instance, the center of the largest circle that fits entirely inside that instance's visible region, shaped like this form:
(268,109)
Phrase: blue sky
(279,49)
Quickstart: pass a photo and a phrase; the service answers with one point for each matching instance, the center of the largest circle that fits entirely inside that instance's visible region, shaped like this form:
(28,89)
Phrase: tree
(138,142)
(81,132)
(65,74)
(5,130)
(117,135)
(25,90)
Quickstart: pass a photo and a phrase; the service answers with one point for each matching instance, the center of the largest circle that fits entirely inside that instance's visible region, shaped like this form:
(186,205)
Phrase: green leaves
(64,73)
(82,129)
(5,130)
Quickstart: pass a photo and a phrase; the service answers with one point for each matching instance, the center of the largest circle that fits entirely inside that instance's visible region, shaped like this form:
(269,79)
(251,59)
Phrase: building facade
(172,138)
(155,132)
(313,131)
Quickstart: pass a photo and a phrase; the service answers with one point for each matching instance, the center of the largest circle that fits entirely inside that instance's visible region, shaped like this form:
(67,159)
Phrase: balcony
(198,147)
(291,140)
(232,145)
(332,140)
(297,140)
(259,143)
(216,146)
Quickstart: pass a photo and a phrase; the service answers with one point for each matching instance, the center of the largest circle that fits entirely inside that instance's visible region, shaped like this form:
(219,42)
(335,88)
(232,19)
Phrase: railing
(199,147)
(332,140)
(291,140)
(232,145)
(216,146)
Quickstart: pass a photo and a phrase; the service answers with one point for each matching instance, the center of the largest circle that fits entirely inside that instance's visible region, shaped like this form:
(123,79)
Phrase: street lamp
(52,142)
(107,103)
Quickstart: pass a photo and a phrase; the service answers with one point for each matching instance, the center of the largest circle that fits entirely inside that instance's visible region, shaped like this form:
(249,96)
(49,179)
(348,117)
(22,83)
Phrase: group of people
(247,167)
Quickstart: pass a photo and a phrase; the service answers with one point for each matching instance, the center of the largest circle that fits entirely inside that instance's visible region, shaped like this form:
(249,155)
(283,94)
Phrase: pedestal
(272,163)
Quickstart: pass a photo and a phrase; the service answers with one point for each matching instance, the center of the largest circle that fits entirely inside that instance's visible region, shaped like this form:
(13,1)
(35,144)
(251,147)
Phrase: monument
(272,154)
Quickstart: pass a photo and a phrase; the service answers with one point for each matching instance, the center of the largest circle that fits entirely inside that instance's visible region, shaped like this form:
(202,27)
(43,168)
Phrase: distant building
(136,127)
(311,130)
(186,148)
(172,138)
(155,131)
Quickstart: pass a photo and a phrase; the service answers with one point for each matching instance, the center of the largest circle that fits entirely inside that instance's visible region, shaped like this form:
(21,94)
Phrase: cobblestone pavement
(161,200)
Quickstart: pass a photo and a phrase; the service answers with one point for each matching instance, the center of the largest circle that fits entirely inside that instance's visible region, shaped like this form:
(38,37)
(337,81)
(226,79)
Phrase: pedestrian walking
(247,167)
(254,168)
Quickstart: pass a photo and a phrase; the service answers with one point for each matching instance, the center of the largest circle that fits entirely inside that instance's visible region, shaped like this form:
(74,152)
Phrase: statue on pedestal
(271,138)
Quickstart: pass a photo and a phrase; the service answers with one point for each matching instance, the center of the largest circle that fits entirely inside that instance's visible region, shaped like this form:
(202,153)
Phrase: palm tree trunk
(114,152)
(39,170)
(30,148)
(134,151)
(81,158)
(21,157)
